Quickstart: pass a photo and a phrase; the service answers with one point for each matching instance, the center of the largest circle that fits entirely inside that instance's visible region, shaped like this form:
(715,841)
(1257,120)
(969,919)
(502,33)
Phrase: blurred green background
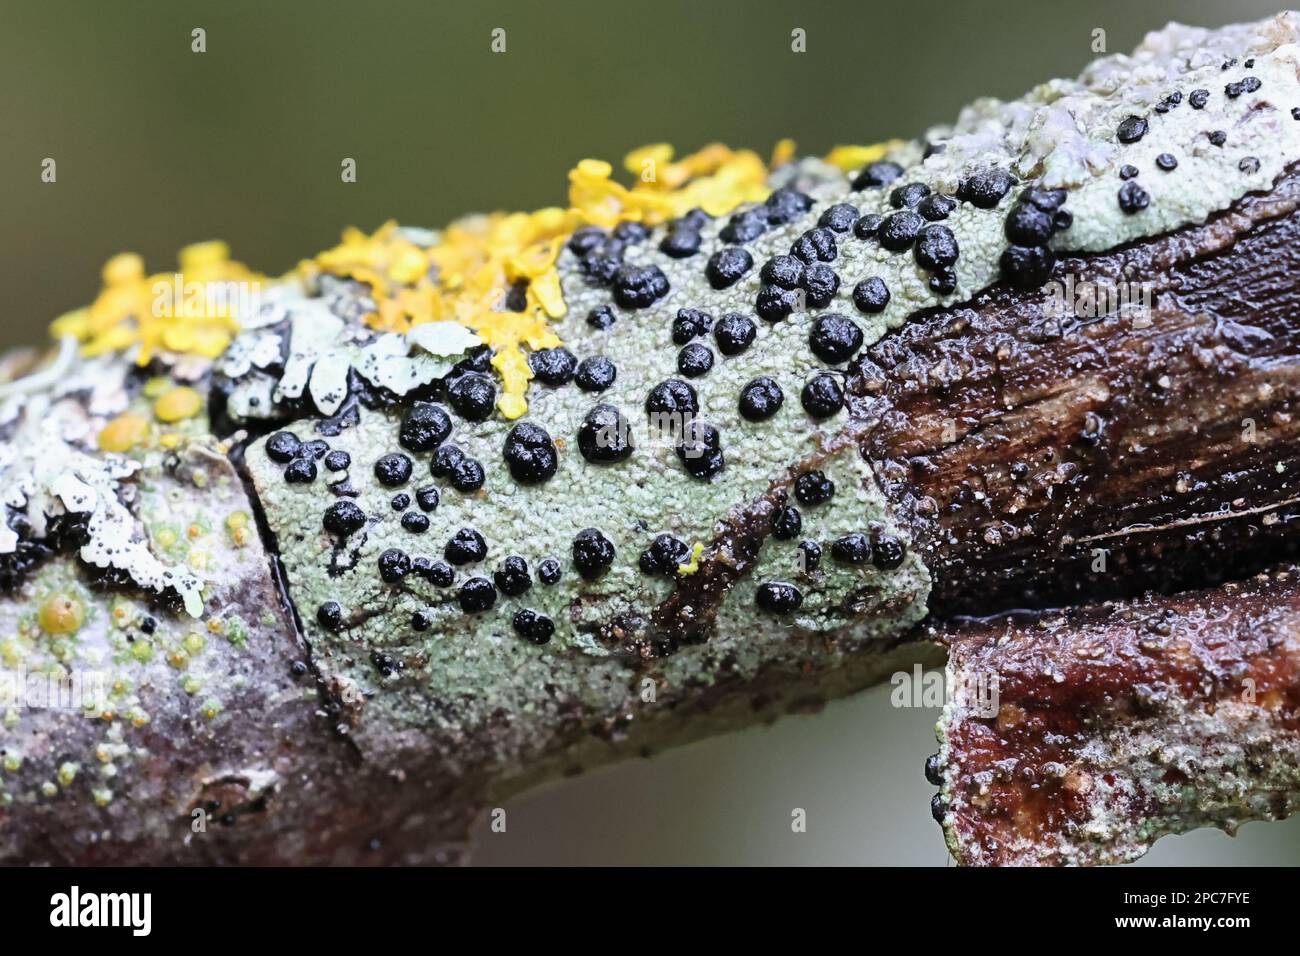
(157,146)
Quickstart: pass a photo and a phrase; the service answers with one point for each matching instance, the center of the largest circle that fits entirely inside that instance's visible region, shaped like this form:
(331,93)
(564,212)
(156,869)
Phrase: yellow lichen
(178,404)
(156,386)
(783,152)
(123,432)
(193,311)
(61,614)
(237,527)
(693,565)
(851,158)
(464,275)
(11,652)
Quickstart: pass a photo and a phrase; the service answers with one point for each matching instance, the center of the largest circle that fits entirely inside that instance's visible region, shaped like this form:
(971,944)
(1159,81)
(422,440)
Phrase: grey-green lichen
(469,670)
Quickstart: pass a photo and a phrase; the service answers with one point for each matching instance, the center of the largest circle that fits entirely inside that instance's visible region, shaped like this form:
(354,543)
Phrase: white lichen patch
(47,469)
(298,346)
(90,679)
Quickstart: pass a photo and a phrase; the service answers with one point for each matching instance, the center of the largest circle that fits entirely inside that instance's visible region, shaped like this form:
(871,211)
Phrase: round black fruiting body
(330,615)
(511,576)
(593,553)
(393,469)
(636,287)
(787,523)
(426,425)
(595,374)
(664,555)
(415,522)
(871,296)
(835,338)
(605,436)
(472,397)
(553,367)
(343,518)
(532,625)
(601,318)
(822,396)
(815,245)
(875,175)
(853,548)
(690,324)
(898,230)
(760,399)
(549,571)
(778,597)
(734,333)
(985,188)
(820,283)
(814,488)
(476,595)
(465,547)
(694,360)
(700,450)
(727,266)
(282,447)
(840,217)
(774,303)
(785,272)
(530,454)
(394,564)
(887,550)
(467,475)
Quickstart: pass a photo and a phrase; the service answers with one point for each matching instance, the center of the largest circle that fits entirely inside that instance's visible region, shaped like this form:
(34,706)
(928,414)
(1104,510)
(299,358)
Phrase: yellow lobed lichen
(192,311)
(464,276)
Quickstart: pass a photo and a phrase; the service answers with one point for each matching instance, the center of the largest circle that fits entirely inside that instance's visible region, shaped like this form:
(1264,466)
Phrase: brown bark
(1083,736)
(1019,444)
